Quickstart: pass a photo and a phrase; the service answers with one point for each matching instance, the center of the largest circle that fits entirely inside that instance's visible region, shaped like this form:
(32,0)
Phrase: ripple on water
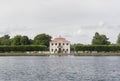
(59,68)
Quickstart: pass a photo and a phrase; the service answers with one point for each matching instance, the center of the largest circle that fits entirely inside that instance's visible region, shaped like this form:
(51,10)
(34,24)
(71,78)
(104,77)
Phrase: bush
(23,48)
(98,48)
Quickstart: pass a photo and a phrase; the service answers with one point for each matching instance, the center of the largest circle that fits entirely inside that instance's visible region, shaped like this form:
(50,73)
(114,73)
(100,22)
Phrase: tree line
(101,39)
(23,48)
(100,43)
(44,39)
(23,43)
(40,39)
(97,48)
(40,42)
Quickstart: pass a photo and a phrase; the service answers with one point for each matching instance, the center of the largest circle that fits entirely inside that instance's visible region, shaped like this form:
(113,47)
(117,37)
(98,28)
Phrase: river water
(65,68)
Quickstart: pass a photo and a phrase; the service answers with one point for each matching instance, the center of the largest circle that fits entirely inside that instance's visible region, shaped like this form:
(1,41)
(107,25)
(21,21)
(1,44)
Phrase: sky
(76,20)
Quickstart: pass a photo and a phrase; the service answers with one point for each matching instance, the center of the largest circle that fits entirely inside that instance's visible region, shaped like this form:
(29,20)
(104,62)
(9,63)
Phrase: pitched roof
(60,39)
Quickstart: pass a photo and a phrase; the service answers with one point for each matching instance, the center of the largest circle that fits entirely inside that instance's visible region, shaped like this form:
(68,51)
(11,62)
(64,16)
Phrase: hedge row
(22,48)
(102,48)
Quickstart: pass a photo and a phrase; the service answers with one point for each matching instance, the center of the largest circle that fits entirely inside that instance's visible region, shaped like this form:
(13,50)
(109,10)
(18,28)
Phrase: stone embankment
(59,54)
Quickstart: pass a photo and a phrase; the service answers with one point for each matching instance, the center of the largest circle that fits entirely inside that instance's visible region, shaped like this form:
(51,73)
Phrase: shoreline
(48,54)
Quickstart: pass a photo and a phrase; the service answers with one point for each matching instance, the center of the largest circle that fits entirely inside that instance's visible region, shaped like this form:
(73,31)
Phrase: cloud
(85,33)
(77,20)
(77,33)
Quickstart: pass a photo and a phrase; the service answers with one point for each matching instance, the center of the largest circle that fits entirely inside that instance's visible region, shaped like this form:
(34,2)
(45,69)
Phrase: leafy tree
(24,40)
(31,41)
(16,40)
(5,40)
(72,46)
(100,39)
(6,36)
(118,39)
(42,39)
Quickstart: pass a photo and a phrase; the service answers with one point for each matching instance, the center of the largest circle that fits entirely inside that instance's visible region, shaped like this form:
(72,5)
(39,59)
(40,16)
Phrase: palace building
(59,45)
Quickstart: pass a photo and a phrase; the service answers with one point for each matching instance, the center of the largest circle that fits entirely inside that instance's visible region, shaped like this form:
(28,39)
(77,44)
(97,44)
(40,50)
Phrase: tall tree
(24,40)
(42,39)
(5,40)
(16,40)
(100,39)
(118,39)
(31,41)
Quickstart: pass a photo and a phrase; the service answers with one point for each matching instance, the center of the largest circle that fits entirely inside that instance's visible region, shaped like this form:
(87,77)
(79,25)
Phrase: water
(67,68)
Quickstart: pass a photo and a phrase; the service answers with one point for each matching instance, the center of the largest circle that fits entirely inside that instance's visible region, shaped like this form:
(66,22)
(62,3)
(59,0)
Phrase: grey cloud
(55,16)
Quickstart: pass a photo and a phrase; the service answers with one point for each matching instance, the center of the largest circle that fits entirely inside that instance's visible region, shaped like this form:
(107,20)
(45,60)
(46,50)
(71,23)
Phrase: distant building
(59,45)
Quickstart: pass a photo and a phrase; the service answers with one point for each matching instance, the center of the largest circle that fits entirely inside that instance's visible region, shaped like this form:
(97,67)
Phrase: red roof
(60,39)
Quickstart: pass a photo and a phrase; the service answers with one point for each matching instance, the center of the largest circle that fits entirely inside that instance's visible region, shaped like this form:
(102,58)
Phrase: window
(66,43)
(55,43)
(66,49)
(51,43)
(52,50)
(55,49)
(59,44)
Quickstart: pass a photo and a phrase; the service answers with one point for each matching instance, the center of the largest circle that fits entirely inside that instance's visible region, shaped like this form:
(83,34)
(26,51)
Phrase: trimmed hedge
(98,48)
(22,48)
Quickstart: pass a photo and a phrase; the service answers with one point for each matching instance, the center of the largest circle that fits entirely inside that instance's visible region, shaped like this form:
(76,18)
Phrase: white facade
(59,45)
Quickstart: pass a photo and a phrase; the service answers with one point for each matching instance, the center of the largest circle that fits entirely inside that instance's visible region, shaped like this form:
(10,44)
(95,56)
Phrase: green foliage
(98,48)
(22,48)
(23,43)
(100,39)
(118,39)
(20,40)
(31,42)
(16,40)
(25,40)
(72,46)
(5,40)
(42,39)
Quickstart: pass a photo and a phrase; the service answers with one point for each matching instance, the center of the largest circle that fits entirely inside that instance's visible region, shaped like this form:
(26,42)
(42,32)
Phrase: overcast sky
(76,20)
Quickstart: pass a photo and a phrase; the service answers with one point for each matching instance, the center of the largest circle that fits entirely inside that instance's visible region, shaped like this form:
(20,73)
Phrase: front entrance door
(59,50)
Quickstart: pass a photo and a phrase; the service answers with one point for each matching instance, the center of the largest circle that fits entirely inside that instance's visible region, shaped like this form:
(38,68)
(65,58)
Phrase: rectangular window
(51,43)
(55,43)
(59,44)
(67,44)
(66,49)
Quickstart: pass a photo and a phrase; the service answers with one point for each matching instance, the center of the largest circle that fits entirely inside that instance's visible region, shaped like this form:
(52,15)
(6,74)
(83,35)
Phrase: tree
(42,39)
(24,40)
(100,39)
(72,46)
(31,41)
(16,40)
(5,40)
(118,39)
